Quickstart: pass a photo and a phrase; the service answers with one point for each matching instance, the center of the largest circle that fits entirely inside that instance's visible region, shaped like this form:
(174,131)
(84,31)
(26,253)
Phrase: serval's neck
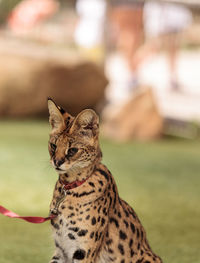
(77,174)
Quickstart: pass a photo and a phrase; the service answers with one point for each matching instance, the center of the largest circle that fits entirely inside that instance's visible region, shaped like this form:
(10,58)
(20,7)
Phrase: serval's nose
(59,162)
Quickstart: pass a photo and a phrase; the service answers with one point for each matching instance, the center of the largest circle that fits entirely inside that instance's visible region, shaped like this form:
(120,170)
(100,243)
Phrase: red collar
(74,184)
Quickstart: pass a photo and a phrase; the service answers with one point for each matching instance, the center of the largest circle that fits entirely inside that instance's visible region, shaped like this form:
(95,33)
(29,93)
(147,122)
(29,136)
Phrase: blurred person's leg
(169,44)
(127,21)
(172,49)
(125,37)
(165,22)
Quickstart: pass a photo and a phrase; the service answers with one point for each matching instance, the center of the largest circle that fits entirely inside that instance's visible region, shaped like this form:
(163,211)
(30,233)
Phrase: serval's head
(73,142)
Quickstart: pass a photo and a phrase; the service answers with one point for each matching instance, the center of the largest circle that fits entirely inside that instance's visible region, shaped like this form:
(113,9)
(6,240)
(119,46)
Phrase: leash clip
(64,191)
(54,211)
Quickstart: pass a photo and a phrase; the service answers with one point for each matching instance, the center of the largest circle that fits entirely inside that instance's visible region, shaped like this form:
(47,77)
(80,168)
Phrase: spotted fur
(93,223)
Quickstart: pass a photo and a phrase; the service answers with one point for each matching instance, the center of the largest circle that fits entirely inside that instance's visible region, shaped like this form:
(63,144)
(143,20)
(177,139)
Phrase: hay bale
(26,82)
(139,119)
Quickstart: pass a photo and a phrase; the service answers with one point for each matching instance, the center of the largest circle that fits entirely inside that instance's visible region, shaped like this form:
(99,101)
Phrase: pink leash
(30,219)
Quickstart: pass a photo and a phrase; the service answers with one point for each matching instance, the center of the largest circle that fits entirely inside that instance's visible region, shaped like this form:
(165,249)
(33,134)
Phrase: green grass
(159,179)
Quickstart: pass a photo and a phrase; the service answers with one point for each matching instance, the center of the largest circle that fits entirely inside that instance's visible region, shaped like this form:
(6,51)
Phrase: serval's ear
(86,123)
(55,116)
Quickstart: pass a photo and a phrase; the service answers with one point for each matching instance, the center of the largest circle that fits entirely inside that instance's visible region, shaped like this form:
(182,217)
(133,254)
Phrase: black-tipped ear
(55,115)
(86,123)
(60,108)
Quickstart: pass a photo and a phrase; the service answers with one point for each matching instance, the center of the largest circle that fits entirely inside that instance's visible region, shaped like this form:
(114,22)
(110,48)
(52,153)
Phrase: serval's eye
(72,151)
(53,147)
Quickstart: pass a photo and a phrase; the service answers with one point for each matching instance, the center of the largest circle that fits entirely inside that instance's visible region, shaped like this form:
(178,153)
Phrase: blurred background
(137,63)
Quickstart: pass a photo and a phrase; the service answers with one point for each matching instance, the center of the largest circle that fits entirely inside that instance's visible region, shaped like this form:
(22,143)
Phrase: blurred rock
(26,82)
(137,119)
